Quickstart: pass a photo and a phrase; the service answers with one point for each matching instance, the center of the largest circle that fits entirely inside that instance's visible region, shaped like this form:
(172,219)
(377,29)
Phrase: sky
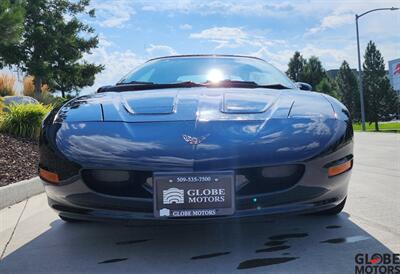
(132,32)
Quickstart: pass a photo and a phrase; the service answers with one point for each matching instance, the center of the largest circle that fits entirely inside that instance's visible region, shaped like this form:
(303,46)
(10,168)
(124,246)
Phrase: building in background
(394,74)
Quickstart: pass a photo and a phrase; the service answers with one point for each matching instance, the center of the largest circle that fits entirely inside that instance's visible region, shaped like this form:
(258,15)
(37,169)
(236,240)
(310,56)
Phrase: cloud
(185,26)
(336,14)
(233,37)
(160,50)
(223,36)
(279,58)
(252,8)
(332,21)
(117,64)
(330,57)
(329,24)
(113,13)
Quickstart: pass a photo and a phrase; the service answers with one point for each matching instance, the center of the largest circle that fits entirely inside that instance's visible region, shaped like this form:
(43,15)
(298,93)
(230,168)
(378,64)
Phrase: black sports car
(199,136)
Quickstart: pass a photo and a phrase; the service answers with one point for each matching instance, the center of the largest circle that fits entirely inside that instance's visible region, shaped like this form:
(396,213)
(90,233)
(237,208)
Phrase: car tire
(68,220)
(335,210)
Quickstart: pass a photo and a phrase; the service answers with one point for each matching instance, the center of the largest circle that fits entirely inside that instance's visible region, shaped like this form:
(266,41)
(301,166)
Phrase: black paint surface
(335,241)
(333,226)
(132,242)
(288,236)
(274,248)
(113,261)
(211,255)
(274,243)
(351,239)
(264,262)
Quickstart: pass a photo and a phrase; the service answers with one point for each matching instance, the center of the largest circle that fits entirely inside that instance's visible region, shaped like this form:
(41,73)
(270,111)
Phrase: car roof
(205,56)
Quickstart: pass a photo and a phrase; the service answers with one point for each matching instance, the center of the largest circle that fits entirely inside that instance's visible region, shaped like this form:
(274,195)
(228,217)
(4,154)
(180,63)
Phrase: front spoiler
(107,215)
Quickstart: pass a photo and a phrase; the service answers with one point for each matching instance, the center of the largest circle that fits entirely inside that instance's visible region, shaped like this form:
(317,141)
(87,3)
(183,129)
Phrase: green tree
(313,72)
(296,66)
(11,25)
(380,99)
(72,77)
(53,44)
(327,86)
(348,90)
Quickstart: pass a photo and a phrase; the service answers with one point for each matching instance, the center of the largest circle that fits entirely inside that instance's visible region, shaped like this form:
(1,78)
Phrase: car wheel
(68,220)
(335,210)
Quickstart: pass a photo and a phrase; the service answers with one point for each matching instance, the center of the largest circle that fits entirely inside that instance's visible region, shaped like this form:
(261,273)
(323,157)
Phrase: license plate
(178,195)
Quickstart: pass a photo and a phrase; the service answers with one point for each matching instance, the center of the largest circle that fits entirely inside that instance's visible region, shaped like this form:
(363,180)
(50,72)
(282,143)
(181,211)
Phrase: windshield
(207,69)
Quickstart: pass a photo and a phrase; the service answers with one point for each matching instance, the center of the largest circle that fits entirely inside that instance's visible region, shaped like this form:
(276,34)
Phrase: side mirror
(303,86)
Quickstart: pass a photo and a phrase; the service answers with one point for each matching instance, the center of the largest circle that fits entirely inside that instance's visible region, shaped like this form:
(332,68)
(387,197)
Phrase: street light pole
(360,76)
(360,79)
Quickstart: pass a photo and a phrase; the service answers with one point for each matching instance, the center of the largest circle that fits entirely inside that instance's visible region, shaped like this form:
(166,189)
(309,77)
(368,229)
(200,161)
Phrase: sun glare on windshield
(215,76)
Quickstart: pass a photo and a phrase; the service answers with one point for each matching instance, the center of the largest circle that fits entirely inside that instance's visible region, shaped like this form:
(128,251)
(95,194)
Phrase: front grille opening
(123,183)
(269,179)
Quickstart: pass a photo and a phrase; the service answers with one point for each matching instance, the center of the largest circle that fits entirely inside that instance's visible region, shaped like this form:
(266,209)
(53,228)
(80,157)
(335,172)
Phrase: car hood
(199,104)
(150,129)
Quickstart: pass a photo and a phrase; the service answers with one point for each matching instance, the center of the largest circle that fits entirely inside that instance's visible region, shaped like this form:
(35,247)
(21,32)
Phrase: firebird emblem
(194,140)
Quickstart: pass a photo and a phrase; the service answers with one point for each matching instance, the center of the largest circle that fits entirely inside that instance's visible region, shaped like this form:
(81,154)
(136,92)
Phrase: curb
(17,192)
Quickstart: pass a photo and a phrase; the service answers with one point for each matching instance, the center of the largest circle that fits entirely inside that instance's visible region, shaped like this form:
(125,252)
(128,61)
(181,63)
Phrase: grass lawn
(383,127)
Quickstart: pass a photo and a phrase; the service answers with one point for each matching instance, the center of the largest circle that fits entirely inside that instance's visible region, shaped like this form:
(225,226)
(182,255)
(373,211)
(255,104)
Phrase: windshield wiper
(134,83)
(275,86)
(186,84)
(148,85)
(228,82)
(245,84)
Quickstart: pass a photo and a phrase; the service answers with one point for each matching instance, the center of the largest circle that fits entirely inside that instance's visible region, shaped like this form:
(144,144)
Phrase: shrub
(48,99)
(23,120)
(7,84)
(29,87)
(1,105)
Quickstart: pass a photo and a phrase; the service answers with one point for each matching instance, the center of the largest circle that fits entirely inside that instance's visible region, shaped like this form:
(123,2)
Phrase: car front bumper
(314,192)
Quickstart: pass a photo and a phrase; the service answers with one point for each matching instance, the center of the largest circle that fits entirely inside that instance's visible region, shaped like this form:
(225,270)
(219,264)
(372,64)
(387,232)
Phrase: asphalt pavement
(34,240)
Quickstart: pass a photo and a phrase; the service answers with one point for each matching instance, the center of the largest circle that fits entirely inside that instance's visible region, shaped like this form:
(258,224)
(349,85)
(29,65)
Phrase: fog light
(279,171)
(110,176)
(48,176)
(340,168)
